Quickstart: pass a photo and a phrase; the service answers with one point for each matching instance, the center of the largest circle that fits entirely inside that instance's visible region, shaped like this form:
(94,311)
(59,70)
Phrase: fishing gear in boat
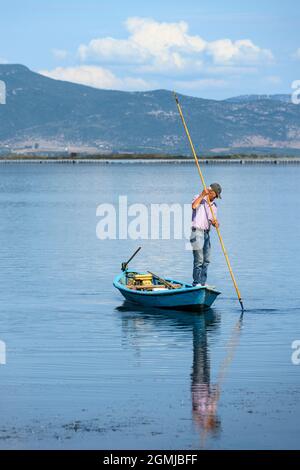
(163,281)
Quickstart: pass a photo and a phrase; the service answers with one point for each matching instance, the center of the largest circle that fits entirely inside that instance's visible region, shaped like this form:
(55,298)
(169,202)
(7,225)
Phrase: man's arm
(199,199)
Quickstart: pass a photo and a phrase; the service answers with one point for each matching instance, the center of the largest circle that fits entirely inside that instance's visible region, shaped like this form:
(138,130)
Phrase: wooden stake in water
(209,203)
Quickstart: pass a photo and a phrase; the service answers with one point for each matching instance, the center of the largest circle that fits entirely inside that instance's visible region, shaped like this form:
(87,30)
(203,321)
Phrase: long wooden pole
(209,203)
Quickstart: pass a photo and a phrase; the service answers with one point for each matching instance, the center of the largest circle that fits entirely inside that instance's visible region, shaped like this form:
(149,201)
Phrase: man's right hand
(199,199)
(205,192)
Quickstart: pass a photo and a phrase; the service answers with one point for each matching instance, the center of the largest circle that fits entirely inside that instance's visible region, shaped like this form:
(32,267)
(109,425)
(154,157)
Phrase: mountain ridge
(48,113)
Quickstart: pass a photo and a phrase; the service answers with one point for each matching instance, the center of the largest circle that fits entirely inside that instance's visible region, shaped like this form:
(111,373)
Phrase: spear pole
(209,203)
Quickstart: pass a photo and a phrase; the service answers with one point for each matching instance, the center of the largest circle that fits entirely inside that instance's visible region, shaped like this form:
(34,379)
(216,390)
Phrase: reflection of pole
(231,347)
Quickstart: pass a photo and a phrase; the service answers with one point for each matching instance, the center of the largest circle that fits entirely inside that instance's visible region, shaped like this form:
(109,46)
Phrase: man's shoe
(207,286)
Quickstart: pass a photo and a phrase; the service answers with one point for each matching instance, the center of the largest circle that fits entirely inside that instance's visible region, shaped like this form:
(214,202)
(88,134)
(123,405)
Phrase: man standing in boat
(202,220)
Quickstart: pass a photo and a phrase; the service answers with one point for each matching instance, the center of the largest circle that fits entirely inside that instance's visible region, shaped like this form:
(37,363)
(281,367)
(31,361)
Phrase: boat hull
(185,298)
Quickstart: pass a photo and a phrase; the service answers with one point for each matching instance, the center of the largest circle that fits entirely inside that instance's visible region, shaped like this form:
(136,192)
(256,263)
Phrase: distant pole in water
(209,203)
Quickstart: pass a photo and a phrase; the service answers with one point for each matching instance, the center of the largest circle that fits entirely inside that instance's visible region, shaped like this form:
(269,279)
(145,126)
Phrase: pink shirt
(202,216)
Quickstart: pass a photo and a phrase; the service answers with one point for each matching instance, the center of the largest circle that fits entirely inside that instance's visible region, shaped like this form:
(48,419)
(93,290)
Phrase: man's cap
(217,189)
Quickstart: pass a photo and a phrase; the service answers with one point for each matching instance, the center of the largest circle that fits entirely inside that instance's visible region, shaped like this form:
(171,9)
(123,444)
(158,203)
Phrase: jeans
(200,241)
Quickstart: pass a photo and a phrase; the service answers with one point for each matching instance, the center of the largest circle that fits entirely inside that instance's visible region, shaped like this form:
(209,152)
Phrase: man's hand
(215,223)
(204,193)
(200,198)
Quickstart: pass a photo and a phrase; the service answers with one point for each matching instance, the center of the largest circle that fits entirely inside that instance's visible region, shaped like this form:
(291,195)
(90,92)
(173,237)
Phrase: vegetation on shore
(145,156)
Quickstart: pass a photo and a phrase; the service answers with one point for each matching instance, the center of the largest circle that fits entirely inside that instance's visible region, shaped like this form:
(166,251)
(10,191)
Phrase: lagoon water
(85,370)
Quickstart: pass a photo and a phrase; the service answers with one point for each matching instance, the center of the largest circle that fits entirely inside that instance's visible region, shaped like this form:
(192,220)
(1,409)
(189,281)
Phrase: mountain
(54,114)
(251,98)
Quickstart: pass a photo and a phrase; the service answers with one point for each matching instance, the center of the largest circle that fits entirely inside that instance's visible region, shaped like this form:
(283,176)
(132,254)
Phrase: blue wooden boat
(165,293)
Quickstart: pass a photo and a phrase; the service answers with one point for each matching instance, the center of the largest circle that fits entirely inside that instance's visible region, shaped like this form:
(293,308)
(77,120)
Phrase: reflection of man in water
(204,396)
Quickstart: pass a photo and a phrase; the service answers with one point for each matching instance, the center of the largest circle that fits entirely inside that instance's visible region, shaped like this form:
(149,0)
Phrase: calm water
(85,370)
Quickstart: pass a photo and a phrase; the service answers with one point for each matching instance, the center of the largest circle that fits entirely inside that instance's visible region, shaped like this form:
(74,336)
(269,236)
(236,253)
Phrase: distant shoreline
(151,158)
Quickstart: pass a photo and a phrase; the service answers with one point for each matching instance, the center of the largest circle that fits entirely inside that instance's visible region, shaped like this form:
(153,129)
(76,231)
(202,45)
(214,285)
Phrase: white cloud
(59,54)
(97,77)
(201,84)
(233,70)
(162,46)
(273,79)
(296,54)
(3,61)
(243,51)
(156,45)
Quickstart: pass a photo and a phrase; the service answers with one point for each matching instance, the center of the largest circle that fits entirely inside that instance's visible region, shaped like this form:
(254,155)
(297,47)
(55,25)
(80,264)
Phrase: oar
(163,281)
(209,203)
(125,264)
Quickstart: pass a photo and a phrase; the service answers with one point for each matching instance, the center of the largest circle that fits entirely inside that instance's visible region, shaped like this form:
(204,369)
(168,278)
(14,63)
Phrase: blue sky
(213,49)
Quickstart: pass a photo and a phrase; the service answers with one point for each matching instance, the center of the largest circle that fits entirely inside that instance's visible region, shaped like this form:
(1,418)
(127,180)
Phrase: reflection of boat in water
(151,291)
(139,324)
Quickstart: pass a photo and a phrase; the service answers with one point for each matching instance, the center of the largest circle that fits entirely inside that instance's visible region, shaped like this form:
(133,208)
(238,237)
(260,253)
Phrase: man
(202,220)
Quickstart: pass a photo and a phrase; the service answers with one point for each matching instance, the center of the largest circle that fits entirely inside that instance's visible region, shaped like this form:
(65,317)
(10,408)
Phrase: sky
(206,48)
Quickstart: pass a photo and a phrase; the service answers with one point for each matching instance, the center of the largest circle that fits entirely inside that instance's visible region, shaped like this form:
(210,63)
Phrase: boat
(150,290)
